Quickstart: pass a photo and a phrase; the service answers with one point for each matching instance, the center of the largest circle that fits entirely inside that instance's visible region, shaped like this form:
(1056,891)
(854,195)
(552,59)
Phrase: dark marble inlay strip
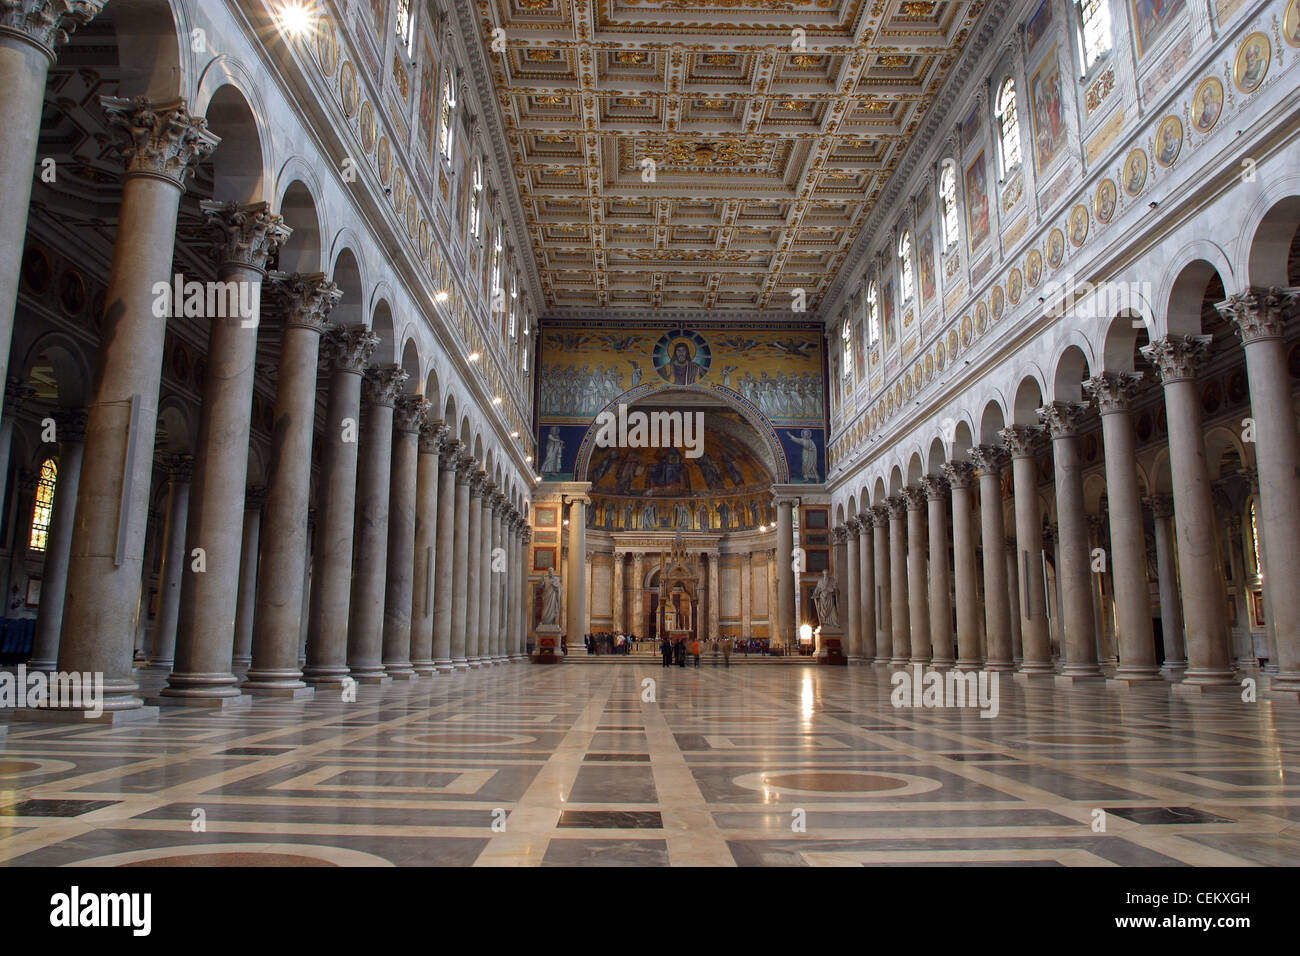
(621,758)
(54,808)
(613,819)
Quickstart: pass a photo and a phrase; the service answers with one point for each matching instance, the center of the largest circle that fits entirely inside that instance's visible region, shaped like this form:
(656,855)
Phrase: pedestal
(548,645)
(830,646)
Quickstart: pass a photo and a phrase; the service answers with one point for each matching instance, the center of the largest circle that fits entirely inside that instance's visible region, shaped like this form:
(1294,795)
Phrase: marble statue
(551,593)
(827,598)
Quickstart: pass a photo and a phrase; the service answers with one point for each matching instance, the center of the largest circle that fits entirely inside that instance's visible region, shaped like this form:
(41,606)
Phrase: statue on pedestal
(551,594)
(827,598)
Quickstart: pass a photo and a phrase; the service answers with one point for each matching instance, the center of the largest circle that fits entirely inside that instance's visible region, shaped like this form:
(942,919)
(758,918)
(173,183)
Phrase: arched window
(1254,538)
(405,20)
(527,343)
(476,201)
(1008,128)
(446,137)
(846,334)
(948,203)
(1094,30)
(905,265)
(494,286)
(44,509)
(873,314)
(514,301)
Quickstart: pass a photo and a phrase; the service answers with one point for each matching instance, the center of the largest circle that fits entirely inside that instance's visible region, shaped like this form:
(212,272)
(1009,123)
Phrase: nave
(573,766)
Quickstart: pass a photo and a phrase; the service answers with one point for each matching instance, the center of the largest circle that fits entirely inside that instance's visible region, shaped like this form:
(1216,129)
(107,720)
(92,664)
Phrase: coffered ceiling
(708,154)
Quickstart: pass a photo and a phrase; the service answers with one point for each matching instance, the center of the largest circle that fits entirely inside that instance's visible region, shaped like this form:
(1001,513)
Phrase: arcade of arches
(355,363)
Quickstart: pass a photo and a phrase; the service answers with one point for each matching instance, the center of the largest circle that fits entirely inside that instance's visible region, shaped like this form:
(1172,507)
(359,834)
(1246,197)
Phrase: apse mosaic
(777,373)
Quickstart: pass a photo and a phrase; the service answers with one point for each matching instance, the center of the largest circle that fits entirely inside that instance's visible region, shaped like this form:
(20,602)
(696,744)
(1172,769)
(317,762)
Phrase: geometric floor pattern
(567,765)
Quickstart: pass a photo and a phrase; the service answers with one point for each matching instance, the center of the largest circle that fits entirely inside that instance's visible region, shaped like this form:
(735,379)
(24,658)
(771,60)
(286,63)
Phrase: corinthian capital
(1063,418)
(247,235)
(383,383)
(1260,313)
(163,141)
(408,410)
(934,486)
(350,347)
(432,431)
(448,452)
(960,474)
(1023,441)
(988,459)
(47,23)
(1177,357)
(1112,391)
(309,299)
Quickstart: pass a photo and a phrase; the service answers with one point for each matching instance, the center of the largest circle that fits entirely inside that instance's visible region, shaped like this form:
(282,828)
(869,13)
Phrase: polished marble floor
(561,766)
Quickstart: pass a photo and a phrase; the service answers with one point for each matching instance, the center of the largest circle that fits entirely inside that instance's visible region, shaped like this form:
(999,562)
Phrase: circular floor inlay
(825,782)
(21,766)
(239,854)
(464,740)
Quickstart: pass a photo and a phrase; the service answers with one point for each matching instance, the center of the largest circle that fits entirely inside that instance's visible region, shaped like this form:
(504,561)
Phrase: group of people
(676,652)
(605,642)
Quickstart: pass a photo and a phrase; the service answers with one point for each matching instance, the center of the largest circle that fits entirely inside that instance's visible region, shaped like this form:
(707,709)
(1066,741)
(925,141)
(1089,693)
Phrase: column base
(1205,685)
(53,715)
(1284,684)
(880,662)
(444,667)
(156,665)
(1082,670)
(323,676)
(1037,667)
(45,665)
(1080,680)
(943,662)
(1148,674)
(460,664)
(301,692)
(969,665)
(1156,685)
(1028,676)
(402,670)
(242,661)
(423,668)
(371,677)
(1001,667)
(223,704)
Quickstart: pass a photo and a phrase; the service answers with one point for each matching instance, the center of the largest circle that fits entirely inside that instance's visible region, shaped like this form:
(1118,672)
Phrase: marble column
(1260,316)
(1200,568)
(70,430)
(1102,603)
(399,575)
(426,569)
(29,32)
(466,467)
(474,568)
(331,583)
(104,572)
(1025,444)
(1171,610)
(918,608)
(866,587)
(638,595)
(577,572)
(940,597)
(1073,555)
(205,634)
(514,594)
(989,461)
(1112,391)
(492,570)
(785,632)
(773,601)
(900,604)
(244,611)
(852,577)
(283,609)
(16,392)
(445,555)
(1013,597)
(880,515)
(960,475)
(180,471)
(715,596)
(380,389)
(526,592)
(618,593)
